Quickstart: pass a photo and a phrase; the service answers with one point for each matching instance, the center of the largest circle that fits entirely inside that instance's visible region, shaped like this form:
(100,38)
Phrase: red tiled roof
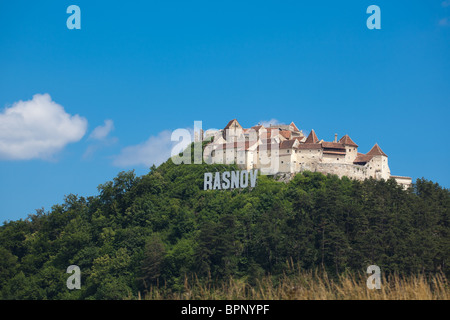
(288,144)
(362,158)
(332,145)
(346,140)
(229,124)
(256,128)
(306,146)
(376,151)
(312,137)
(294,126)
(285,133)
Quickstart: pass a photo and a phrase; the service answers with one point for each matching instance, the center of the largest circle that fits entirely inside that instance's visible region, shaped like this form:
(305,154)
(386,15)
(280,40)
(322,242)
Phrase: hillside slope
(158,228)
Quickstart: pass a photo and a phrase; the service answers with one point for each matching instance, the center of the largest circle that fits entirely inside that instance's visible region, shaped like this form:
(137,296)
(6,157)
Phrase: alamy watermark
(374,281)
(374,21)
(74,20)
(74,281)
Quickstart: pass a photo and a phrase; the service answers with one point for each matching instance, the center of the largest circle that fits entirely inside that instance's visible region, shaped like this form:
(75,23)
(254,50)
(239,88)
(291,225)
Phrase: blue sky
(114,90)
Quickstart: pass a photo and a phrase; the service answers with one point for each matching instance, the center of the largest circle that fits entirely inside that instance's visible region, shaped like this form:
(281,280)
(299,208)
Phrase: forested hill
(158,228)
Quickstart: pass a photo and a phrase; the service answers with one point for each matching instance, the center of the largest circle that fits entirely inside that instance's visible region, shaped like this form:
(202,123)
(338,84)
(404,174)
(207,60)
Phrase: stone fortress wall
(294,152)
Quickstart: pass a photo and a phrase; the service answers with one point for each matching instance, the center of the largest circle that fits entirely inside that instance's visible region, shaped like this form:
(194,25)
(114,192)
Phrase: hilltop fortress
(284,149)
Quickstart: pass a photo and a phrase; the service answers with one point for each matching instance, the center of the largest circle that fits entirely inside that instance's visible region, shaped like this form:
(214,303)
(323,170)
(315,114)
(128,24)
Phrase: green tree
(153,261)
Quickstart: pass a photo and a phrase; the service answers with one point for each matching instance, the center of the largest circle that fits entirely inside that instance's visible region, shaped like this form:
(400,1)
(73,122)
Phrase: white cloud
(101,132)
(100,138)
(37,128)
(156,150)
(268,123)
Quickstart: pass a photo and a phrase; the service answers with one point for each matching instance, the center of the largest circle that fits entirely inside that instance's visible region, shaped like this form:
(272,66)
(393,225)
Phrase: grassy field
(312,285)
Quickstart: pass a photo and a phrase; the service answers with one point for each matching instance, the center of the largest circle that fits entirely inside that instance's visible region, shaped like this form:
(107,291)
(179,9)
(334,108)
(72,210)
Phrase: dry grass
(312,285)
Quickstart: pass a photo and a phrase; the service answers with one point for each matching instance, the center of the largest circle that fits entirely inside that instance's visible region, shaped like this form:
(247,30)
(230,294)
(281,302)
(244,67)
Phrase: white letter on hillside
(253,176)
(226,180)
(207,182)
(244,181)
(217,181)
(234,179)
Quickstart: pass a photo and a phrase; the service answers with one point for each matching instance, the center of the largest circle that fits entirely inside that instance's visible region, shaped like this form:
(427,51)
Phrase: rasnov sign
(230,180)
